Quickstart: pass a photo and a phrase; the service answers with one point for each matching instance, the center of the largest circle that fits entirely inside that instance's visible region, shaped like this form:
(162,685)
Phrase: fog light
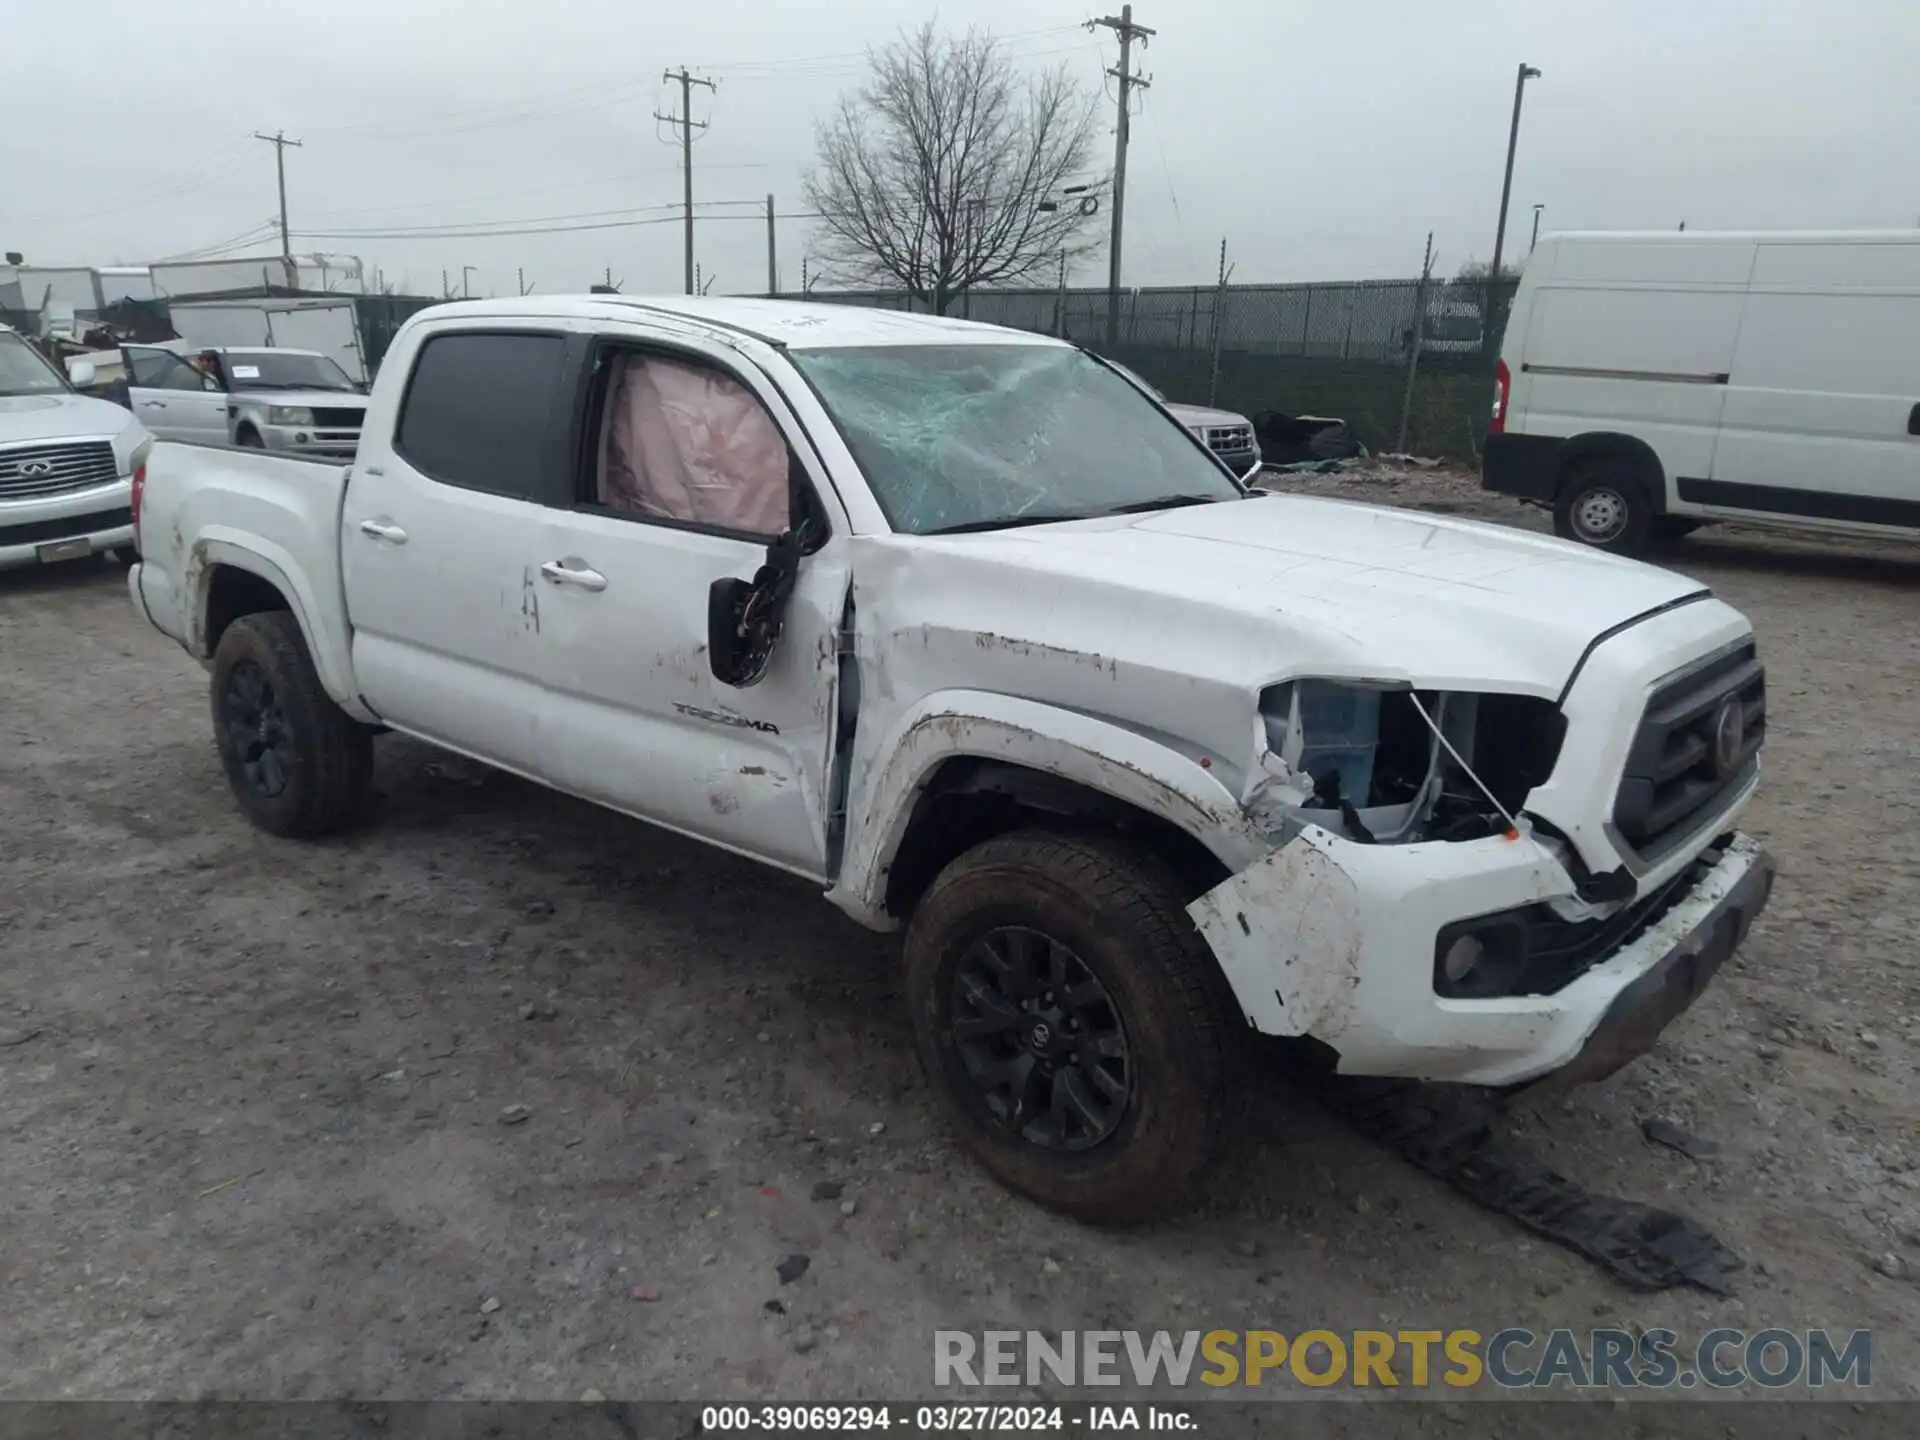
(1482,958)
(301,438)
(1463,957)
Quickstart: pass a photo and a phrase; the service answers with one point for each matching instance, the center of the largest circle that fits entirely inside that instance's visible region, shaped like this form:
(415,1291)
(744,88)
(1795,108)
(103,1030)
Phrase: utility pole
(280,142)
(1123,27)
(446,287)
(1219,306)
(773,261)
(1527,72)
(686,124)
(466,290)
(1534,244)
(1419,342)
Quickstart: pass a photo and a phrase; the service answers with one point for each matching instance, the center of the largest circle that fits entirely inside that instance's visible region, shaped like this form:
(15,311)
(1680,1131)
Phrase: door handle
(153,404)
(383,532)
(561,574)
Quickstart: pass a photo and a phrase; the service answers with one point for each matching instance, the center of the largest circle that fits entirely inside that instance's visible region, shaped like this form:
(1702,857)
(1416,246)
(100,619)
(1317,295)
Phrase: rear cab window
(485,410)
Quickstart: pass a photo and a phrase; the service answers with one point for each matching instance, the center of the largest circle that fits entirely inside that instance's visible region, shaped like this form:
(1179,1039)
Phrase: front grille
(1698,741)
(31,471)
(339,419)
(1229,439)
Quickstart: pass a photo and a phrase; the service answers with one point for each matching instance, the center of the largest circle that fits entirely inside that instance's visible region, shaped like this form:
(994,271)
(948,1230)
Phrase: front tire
(1605,506)
(249,439)
(298,765)
(1073,1023)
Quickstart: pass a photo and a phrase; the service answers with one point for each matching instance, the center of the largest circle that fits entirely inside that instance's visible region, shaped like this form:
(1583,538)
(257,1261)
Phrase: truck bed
(272,517)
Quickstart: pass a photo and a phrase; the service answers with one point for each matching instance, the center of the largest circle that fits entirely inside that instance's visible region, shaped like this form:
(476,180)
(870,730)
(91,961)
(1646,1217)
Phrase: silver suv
(297,401)
(1226,434)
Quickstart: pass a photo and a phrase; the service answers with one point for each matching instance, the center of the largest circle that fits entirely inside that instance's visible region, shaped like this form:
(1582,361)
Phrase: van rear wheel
(1605,506)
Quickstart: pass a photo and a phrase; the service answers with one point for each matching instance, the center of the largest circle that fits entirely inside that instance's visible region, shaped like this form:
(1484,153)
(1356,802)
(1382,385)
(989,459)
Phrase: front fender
(327,640)
(1110,759)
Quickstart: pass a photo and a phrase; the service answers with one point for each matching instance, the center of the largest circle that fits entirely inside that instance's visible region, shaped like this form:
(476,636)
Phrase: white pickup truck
(957,623)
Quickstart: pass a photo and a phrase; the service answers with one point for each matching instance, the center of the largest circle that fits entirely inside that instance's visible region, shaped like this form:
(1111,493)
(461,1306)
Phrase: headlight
(1387,763)
(289,415)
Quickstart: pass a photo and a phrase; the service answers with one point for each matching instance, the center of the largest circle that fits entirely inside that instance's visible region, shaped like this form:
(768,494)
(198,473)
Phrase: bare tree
(1475,274)
(947,170)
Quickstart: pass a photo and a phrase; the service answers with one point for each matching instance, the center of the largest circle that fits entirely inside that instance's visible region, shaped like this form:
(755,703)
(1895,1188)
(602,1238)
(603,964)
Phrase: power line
(750,214)
(449,227)
(251,236)
(687,125)
(598,182)
(792,61)
(850,69)
(166,192)
(580,97)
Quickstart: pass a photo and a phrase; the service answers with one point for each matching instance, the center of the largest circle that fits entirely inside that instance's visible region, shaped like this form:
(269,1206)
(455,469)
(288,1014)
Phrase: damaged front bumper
(1337,940)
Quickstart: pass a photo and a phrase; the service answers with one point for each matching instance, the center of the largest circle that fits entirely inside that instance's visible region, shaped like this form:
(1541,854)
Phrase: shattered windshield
(977,437)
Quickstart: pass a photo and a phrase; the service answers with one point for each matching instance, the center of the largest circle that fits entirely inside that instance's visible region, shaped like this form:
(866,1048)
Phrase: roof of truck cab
(796,324)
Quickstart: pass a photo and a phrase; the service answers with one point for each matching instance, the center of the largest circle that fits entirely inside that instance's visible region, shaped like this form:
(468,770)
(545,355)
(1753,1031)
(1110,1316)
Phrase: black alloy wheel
(1041,1040)
(257,728)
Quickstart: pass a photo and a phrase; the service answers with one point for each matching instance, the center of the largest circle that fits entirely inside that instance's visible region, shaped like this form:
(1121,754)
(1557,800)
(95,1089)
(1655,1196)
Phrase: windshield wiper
(1164,502)
(1009,522)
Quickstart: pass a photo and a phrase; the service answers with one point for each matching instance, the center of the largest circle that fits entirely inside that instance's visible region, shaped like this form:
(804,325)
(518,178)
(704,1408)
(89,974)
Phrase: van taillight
(1502,385)
(139,489)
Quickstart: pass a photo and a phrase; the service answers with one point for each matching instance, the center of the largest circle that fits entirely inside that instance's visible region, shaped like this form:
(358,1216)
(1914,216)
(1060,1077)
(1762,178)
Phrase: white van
(1651,382)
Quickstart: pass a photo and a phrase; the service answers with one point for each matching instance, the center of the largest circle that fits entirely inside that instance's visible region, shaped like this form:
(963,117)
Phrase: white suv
(68,463)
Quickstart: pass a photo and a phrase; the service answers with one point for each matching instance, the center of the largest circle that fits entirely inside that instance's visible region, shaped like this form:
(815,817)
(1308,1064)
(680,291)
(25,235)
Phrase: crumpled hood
(1400,594)
(59,417)
(1173,621)
(311,399)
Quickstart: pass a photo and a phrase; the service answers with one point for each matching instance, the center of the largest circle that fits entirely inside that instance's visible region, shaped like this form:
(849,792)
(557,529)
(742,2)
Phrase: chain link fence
(1336,348)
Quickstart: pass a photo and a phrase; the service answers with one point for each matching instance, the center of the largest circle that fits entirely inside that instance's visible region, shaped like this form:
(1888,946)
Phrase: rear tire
(1074,1024)
(1603,504)
(297,763)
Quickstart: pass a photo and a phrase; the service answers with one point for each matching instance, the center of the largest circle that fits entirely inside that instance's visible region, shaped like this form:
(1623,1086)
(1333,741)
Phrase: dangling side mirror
(745,617)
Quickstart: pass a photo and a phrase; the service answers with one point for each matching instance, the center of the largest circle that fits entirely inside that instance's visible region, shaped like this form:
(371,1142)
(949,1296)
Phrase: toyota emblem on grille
(36,467)
(1729,735)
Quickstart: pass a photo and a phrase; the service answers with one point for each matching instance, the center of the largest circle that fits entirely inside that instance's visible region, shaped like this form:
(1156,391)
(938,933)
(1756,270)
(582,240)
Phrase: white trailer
(330,327)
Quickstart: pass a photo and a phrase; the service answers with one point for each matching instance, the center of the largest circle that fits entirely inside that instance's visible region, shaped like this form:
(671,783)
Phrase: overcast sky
(1321,138)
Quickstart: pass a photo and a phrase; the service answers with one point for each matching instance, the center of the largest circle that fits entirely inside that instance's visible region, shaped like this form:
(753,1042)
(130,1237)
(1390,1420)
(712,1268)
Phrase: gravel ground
(505,1096)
